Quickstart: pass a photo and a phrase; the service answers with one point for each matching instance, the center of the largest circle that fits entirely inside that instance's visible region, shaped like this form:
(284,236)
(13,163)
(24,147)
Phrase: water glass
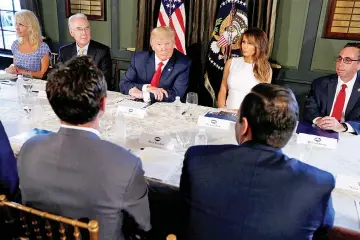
(191,101)
(184,138)
(28,82)
(28,101)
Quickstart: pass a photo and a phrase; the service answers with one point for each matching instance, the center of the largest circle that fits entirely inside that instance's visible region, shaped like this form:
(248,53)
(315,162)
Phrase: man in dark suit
(253,190)
(81,32)
(334,101)
(74,172)
(160,75)
(9,179)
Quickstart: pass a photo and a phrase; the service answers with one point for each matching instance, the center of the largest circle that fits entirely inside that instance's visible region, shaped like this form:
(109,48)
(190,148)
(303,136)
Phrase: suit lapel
(331,94)
(91,51)
(150,67)
(355,94)
(73,50)
(167,69)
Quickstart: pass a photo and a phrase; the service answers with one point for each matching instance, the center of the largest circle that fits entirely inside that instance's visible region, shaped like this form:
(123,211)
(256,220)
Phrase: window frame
(5,50)
(327,33)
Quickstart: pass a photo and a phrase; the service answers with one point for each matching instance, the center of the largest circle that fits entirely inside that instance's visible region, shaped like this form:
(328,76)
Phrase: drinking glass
(28,81)
(191,101)
(28,101)
(184,138)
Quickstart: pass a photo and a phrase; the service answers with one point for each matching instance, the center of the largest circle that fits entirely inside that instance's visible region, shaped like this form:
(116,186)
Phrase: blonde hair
(163,30)
(262,67)
(28,19)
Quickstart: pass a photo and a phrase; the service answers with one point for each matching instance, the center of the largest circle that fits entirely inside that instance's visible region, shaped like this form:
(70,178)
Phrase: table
(159,120)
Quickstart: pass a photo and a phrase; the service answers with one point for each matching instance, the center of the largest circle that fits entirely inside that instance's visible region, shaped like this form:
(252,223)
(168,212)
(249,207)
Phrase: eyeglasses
(346,60)
(87,29)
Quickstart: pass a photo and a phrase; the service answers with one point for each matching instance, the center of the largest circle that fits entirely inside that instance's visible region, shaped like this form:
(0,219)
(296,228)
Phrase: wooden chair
(92,226)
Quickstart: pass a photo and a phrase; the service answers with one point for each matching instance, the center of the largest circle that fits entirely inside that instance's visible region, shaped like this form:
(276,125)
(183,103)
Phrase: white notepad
(161,165)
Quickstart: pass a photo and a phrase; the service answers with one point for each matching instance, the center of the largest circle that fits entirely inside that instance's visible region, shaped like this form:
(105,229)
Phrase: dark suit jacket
(174,78)
(100,55)
(321,97)
(76,174)
(252,191)
(9,179)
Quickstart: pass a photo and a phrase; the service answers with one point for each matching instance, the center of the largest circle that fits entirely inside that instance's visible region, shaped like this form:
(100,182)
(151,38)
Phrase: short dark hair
(354,45)
(272,113)
(75,90)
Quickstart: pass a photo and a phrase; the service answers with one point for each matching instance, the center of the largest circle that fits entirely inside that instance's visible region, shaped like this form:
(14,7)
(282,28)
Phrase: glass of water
(28,101)
(191,101)
(28,81)
(184,138)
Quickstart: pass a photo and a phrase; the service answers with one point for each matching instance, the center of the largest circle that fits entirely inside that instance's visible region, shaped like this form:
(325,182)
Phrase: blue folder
(312,129)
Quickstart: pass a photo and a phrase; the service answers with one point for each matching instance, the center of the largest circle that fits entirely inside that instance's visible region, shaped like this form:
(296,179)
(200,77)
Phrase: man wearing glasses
(79,29)
(334,101)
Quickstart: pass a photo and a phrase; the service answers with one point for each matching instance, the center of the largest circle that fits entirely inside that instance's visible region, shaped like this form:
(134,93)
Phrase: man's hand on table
(329,123)
(136,93)
(159,93)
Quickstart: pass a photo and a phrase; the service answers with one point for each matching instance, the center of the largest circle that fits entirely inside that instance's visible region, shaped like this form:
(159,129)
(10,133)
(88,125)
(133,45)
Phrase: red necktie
(339,103)
(157,75)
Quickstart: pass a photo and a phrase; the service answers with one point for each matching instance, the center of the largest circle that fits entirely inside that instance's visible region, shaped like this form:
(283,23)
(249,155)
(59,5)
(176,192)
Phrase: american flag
(172,14)
(224,39)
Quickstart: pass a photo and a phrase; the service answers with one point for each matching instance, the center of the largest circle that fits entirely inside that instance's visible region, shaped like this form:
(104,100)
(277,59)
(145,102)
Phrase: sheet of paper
(348,183)
(159,164)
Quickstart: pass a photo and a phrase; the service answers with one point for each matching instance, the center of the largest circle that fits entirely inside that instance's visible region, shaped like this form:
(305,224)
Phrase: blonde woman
(242,74)
(31,54)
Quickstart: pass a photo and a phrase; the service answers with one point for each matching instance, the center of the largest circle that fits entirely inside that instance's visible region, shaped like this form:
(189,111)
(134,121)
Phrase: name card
(132,112)
(347,183)
(158,141)
(318,141)
(214,122)
(131,108)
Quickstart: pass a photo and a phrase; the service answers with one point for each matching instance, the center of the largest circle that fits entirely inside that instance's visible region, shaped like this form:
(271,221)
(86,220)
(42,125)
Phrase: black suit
(100,55)
(174,78)
(252,192)
(321,97)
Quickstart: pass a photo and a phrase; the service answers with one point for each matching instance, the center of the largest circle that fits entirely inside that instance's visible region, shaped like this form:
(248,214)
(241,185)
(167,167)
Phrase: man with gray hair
(80,30)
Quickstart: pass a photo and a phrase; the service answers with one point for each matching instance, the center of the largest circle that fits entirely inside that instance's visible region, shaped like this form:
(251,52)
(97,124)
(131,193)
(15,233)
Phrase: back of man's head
(271,112)
(76,91)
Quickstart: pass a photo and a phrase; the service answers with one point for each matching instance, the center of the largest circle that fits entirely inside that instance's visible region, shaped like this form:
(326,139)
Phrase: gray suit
(76,174)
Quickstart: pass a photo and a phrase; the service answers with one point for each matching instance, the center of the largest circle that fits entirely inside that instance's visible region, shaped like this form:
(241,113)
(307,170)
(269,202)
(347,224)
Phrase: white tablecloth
(160,121)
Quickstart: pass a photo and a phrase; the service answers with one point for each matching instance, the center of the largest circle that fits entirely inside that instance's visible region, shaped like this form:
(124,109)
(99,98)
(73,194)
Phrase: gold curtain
(262,14)
(147,13)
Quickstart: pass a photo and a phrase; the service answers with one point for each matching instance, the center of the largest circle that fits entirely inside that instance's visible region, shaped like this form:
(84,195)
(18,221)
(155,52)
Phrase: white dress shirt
(85,49)
(348,91)
(146,94)
(93,130)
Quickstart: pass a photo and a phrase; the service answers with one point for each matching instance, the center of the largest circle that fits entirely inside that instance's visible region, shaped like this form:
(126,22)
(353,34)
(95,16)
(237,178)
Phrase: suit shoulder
(99,45)
(316,176)
(207,150)
(118,154)
(142,54)
(324,79)
(66,47)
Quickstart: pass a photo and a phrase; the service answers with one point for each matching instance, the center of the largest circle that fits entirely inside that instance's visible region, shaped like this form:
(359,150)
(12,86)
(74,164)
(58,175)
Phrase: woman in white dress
(242,74)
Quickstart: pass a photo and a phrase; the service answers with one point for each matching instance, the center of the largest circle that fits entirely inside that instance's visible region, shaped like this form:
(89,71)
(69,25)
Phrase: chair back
(171,237)
(46,219)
